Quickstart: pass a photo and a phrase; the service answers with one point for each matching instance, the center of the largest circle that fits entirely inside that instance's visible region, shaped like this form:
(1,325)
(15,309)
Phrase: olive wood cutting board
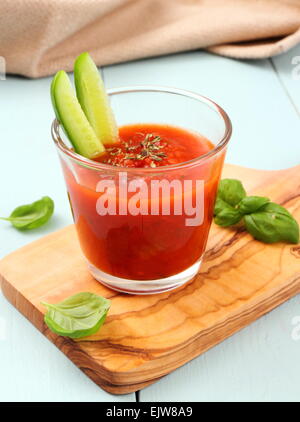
(146,337)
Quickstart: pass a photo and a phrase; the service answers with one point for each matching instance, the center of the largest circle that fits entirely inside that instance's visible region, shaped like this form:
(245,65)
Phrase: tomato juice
(150,246)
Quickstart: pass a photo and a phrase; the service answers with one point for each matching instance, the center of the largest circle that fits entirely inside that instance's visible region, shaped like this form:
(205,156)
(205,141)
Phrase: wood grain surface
(146,337)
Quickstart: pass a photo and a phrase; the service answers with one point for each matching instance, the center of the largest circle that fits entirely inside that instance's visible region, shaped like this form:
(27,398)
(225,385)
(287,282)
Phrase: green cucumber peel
(94,100)
(72,118)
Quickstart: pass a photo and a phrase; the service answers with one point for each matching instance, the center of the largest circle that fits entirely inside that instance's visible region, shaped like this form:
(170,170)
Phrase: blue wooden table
(261,362)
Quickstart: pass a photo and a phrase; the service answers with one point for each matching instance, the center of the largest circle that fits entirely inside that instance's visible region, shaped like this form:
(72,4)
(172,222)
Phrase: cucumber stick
(72,118)
(93,99)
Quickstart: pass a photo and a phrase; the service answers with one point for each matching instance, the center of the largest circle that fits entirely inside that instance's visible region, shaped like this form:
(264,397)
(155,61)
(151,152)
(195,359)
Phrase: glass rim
(95,165)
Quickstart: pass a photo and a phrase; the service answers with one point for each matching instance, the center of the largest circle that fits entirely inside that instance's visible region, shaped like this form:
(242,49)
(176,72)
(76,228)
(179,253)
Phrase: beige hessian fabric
(38,37)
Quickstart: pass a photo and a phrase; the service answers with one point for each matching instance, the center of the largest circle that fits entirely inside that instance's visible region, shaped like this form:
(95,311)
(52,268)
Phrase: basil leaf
(77,316)
(252,204)
(226,215)
(31,216)
(272,223)
(231,191)
(265,220)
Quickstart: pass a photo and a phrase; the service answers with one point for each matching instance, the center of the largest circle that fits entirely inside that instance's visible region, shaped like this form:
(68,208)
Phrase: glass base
(144,287)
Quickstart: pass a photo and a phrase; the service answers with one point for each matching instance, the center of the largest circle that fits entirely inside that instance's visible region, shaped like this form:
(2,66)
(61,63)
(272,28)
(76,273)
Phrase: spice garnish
(149,148)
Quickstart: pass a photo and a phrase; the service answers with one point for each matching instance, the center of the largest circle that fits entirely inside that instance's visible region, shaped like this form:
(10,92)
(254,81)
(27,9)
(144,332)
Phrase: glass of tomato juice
(143,211)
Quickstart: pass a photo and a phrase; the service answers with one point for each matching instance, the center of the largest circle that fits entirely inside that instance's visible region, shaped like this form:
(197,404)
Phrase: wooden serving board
(146,337)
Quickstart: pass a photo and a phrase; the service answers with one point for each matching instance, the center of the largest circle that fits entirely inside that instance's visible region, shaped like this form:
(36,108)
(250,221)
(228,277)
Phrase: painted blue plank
(33,369)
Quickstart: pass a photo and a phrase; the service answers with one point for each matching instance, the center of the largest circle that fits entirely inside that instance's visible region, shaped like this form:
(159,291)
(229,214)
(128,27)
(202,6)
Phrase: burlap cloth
(38,37)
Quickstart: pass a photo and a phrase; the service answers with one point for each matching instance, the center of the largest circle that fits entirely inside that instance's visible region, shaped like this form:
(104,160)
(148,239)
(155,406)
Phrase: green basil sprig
(263,219)
(77,316)
(31,216)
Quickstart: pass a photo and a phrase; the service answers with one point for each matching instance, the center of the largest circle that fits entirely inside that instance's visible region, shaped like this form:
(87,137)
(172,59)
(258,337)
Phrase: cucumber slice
(72,118)
(93,99)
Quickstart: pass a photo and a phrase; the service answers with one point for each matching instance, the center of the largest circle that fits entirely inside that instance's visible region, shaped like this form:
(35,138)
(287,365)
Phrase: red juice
(149,246)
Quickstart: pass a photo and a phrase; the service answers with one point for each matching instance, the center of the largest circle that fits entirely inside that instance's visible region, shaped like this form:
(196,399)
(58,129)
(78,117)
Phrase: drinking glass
(144,230)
